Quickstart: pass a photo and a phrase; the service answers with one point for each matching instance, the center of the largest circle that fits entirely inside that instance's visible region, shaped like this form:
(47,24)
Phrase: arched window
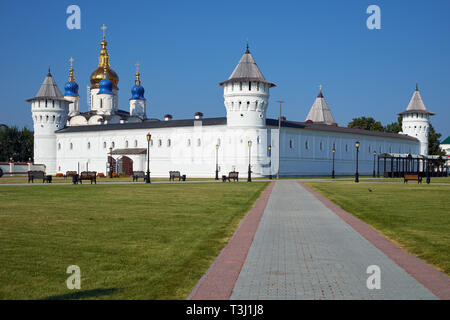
(346,148)
(104,145)
(89,145)
(54,117)
(169,143)
(240,86)
(257,86)
(249,86)
(71,146)
(159,143)
(320,145)
(189,142)
(59,146)
(113,144)
(126,144)
(135,143)
(101,103)
(46,103)
(290,144)
(199,142)
(306,144)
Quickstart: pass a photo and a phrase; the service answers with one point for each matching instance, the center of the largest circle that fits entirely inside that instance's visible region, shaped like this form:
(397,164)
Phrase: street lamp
(249,179)
(357,152)
(270,162)
(147,177)
(217,161)
(374,157)
(110,163)
(279,141)
(332,172)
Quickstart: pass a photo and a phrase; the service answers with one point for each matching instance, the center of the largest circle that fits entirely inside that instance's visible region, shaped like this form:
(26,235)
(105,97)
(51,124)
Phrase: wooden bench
(88,175)
(70,174)
(413,177)
(138,174)
(174,175)
(231,175)
(36,175)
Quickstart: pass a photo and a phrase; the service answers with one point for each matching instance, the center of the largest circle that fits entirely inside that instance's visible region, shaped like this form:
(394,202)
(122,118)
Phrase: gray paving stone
(302,250)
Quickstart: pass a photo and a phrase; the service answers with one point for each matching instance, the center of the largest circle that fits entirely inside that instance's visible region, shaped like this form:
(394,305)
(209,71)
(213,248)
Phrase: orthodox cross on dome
(138,80)
(71,76)
(104,29)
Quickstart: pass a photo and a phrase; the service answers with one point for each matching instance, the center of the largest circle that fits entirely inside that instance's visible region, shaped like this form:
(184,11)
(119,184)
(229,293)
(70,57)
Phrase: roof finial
(49,74)
(104,29)
(138,80)
(320,95)
(71,76)
(247,51)
(417,87)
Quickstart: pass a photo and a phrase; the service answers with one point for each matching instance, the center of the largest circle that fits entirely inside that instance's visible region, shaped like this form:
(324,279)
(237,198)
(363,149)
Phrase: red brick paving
(218,282)
(435,281)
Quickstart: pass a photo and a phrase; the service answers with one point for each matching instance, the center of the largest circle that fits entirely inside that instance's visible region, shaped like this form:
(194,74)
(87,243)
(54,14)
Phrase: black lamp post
(249,179)
(374,158)
(147,178)
(357,153)
(270,155)
(332,172)
(217,161)
(110,163)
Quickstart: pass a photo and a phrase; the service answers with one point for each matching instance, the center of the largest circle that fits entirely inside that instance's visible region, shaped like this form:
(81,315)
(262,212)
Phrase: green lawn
(417,217)
(130,241)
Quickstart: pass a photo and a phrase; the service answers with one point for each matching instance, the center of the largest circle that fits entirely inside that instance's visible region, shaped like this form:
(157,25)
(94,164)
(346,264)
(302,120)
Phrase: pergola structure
(396,165)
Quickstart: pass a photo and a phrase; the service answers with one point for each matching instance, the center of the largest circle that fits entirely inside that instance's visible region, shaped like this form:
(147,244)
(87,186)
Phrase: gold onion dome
(103,67)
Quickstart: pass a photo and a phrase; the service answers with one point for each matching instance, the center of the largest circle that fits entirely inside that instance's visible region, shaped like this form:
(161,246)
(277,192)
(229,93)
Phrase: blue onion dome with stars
(71,87)
(137,92)
(105,85)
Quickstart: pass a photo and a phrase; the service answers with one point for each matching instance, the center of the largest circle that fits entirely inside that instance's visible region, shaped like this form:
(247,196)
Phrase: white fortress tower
(137,100)
(71,93)
(416,121)
(49,111)
(246,94)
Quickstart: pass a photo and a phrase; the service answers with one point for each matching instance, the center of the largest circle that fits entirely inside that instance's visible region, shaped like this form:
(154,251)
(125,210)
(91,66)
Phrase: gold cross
(71,61)
(104,29)
(320,87)
(137,67)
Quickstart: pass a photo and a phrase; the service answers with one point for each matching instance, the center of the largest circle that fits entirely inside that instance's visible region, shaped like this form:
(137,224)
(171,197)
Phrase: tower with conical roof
(416,121)
(137,100)
(246,94)
(71,92)
(320,112)
(49,111)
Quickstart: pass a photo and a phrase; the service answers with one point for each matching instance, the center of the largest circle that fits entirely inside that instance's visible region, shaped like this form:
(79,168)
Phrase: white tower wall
(74,107)
(48,116)
(417,125)
(100,107)
(246,106)
(137,108)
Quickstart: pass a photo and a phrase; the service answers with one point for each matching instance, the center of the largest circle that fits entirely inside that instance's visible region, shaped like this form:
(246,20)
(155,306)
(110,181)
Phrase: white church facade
(69,140)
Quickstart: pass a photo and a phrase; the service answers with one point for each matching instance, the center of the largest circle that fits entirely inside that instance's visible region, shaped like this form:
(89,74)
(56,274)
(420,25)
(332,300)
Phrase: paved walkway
(303,250)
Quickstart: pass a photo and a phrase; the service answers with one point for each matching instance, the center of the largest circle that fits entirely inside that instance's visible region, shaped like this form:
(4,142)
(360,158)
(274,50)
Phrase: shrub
(59,174)
(101,175)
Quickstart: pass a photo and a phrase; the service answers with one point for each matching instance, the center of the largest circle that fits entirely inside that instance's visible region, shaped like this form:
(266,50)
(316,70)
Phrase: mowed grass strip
(130,241)
(416,217)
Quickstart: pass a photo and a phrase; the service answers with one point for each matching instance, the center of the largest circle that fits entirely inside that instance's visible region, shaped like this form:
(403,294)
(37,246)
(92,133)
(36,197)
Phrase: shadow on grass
(85,294)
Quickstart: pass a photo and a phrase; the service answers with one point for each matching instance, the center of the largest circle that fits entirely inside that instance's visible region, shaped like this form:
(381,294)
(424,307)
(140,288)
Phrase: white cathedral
(66,139)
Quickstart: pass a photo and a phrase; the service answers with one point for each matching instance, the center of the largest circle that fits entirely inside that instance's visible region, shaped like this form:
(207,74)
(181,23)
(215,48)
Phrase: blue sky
(186,48)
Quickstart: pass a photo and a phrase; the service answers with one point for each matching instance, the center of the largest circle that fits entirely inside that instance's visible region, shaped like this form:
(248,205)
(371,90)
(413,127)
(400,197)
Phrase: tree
(16,144)
(366,124)
(394,127)
(433,142)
